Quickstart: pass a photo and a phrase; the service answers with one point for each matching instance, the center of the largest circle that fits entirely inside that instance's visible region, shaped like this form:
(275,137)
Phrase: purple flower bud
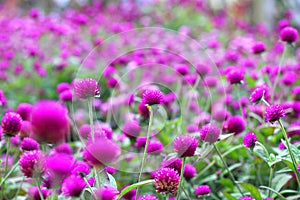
(29,144)
(152,97)
(189,171)
(235,76)
(24,110)
(86,88)
(155,147)
(173,163)
(249,139)
(202,190)
(274,113)
(185,145)
(73,186)
(258,47)
(166,181)
(107,193)
(234,124)
(31,163)
(11,123)
(210,133)
(289,34)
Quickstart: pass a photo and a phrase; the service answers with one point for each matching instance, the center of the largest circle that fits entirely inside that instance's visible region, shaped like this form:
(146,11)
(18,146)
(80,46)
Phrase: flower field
(148,100)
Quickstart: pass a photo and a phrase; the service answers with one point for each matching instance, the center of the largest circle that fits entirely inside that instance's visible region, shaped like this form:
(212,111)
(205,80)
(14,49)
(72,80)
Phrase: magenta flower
(173,163)
(289,34)
(35,195)
(202,190)
(274,113)
(185,145)
(148,197)
(66,95)
(63,148)
(166,181)
(152,97)
(258,93)
(11,123)
(155,147)
(49,121)
(189,171)
(62,87)
(234,124)
(86,88)
(245,198)
(235,76)
(106,193)
(29,144)
(210,133)
(258,47)
(132,129)
(249,139)
(81,168)
(3,101)
(73,186)
(32,163)
(24,110)
(182,69)
(143,110)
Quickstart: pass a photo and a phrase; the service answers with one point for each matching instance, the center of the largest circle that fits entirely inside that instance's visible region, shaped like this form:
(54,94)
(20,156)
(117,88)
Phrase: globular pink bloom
(274,113)
(152,97)
(106,193)
(182,69)
(235,124)
(32,163)
(189,171)
(29,144)
(185,145)
(132,129)
(173,163)
(289,34)
(49,121)
(62,87)
(148,197)
(86,88)
(155,147)
(258,47)
(143,110)
(258,93)
(235,76)
(210,133)
(166,181)
(24,110)
(102,151)
(64,148)
(11,123)
(25,129)
(202,190)
(66,95)
(81,168)
(73,186)
(249,139)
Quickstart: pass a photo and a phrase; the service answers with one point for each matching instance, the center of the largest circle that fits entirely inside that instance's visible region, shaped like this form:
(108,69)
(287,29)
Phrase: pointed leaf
(252,189)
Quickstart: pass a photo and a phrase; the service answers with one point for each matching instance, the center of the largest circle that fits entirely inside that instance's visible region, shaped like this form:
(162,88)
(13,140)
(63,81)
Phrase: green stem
(278,73)
(9,173)
(90,105)
(39,188)
(290,152)
(181,179)
(146,146)
(270,179)
(263,100)
(239,98)
(229,172)
(7,153)
(167,196)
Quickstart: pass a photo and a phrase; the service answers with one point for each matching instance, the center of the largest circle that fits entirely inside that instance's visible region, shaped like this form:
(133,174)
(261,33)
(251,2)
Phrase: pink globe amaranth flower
(189,171)
(84,130)
(110,169)
(258,47)
(59,166)
(268,198)
(86,88)
(235,124)
(143,110)
(33,193)
(3,101)
(101,152)
(81,168)
(155,147)
(11,123)
(24,110)
(202,190)
(29,144)
(64,148)
(245,198)
(249,140)
(258,93)
(73,186)
(66,95)
(49,121)
(62,87)
(289,34)
(132,129)
(235,76)
(173,163)
(152,97)
(182,69)
(210,133)
(106,193)
(274,113)
(148,197)
(202,70)
(140,142)
(185,145)
(166,181)
(32,163)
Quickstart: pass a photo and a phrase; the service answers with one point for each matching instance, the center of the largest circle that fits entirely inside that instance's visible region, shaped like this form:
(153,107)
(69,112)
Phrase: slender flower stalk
(278,73)
(90,107)
(146,145)
(7,153)
(39,188)
(272,168)
(229,172)
(236,86)
(181,178)
(290,152)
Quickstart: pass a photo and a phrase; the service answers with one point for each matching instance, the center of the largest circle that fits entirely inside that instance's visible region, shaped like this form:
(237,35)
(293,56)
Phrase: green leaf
(226,182)
(267,130)
(228,196)
(280,180)
(131,187)
(252,189)
(112,180)
(225,136)
(260,152)
(277,193)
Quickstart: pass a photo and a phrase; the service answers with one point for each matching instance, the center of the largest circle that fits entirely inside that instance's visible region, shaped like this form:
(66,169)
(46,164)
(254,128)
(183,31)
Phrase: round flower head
(62,87)
(245,198)
(132,129)
(202,190)
(81,168)
(234,124)
(102,151)
(29,144)
(49,121)
(31,163)
(148,197)
(249,139)
(173,163)
(140,142)
(289,34)
(152,97)
(110,169)
(106,193)
(274,113)
(235,76)
(84,130)
(66,95)
(143,110)
(64,148)
(166,181)
(11,123)
(34,193)
(3,101)
(258,93)
(86,88)
(155,147)
(210,133)
(73,186)
(258,47)
(182,69)
(24,110)
(185,145)
(189,171)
